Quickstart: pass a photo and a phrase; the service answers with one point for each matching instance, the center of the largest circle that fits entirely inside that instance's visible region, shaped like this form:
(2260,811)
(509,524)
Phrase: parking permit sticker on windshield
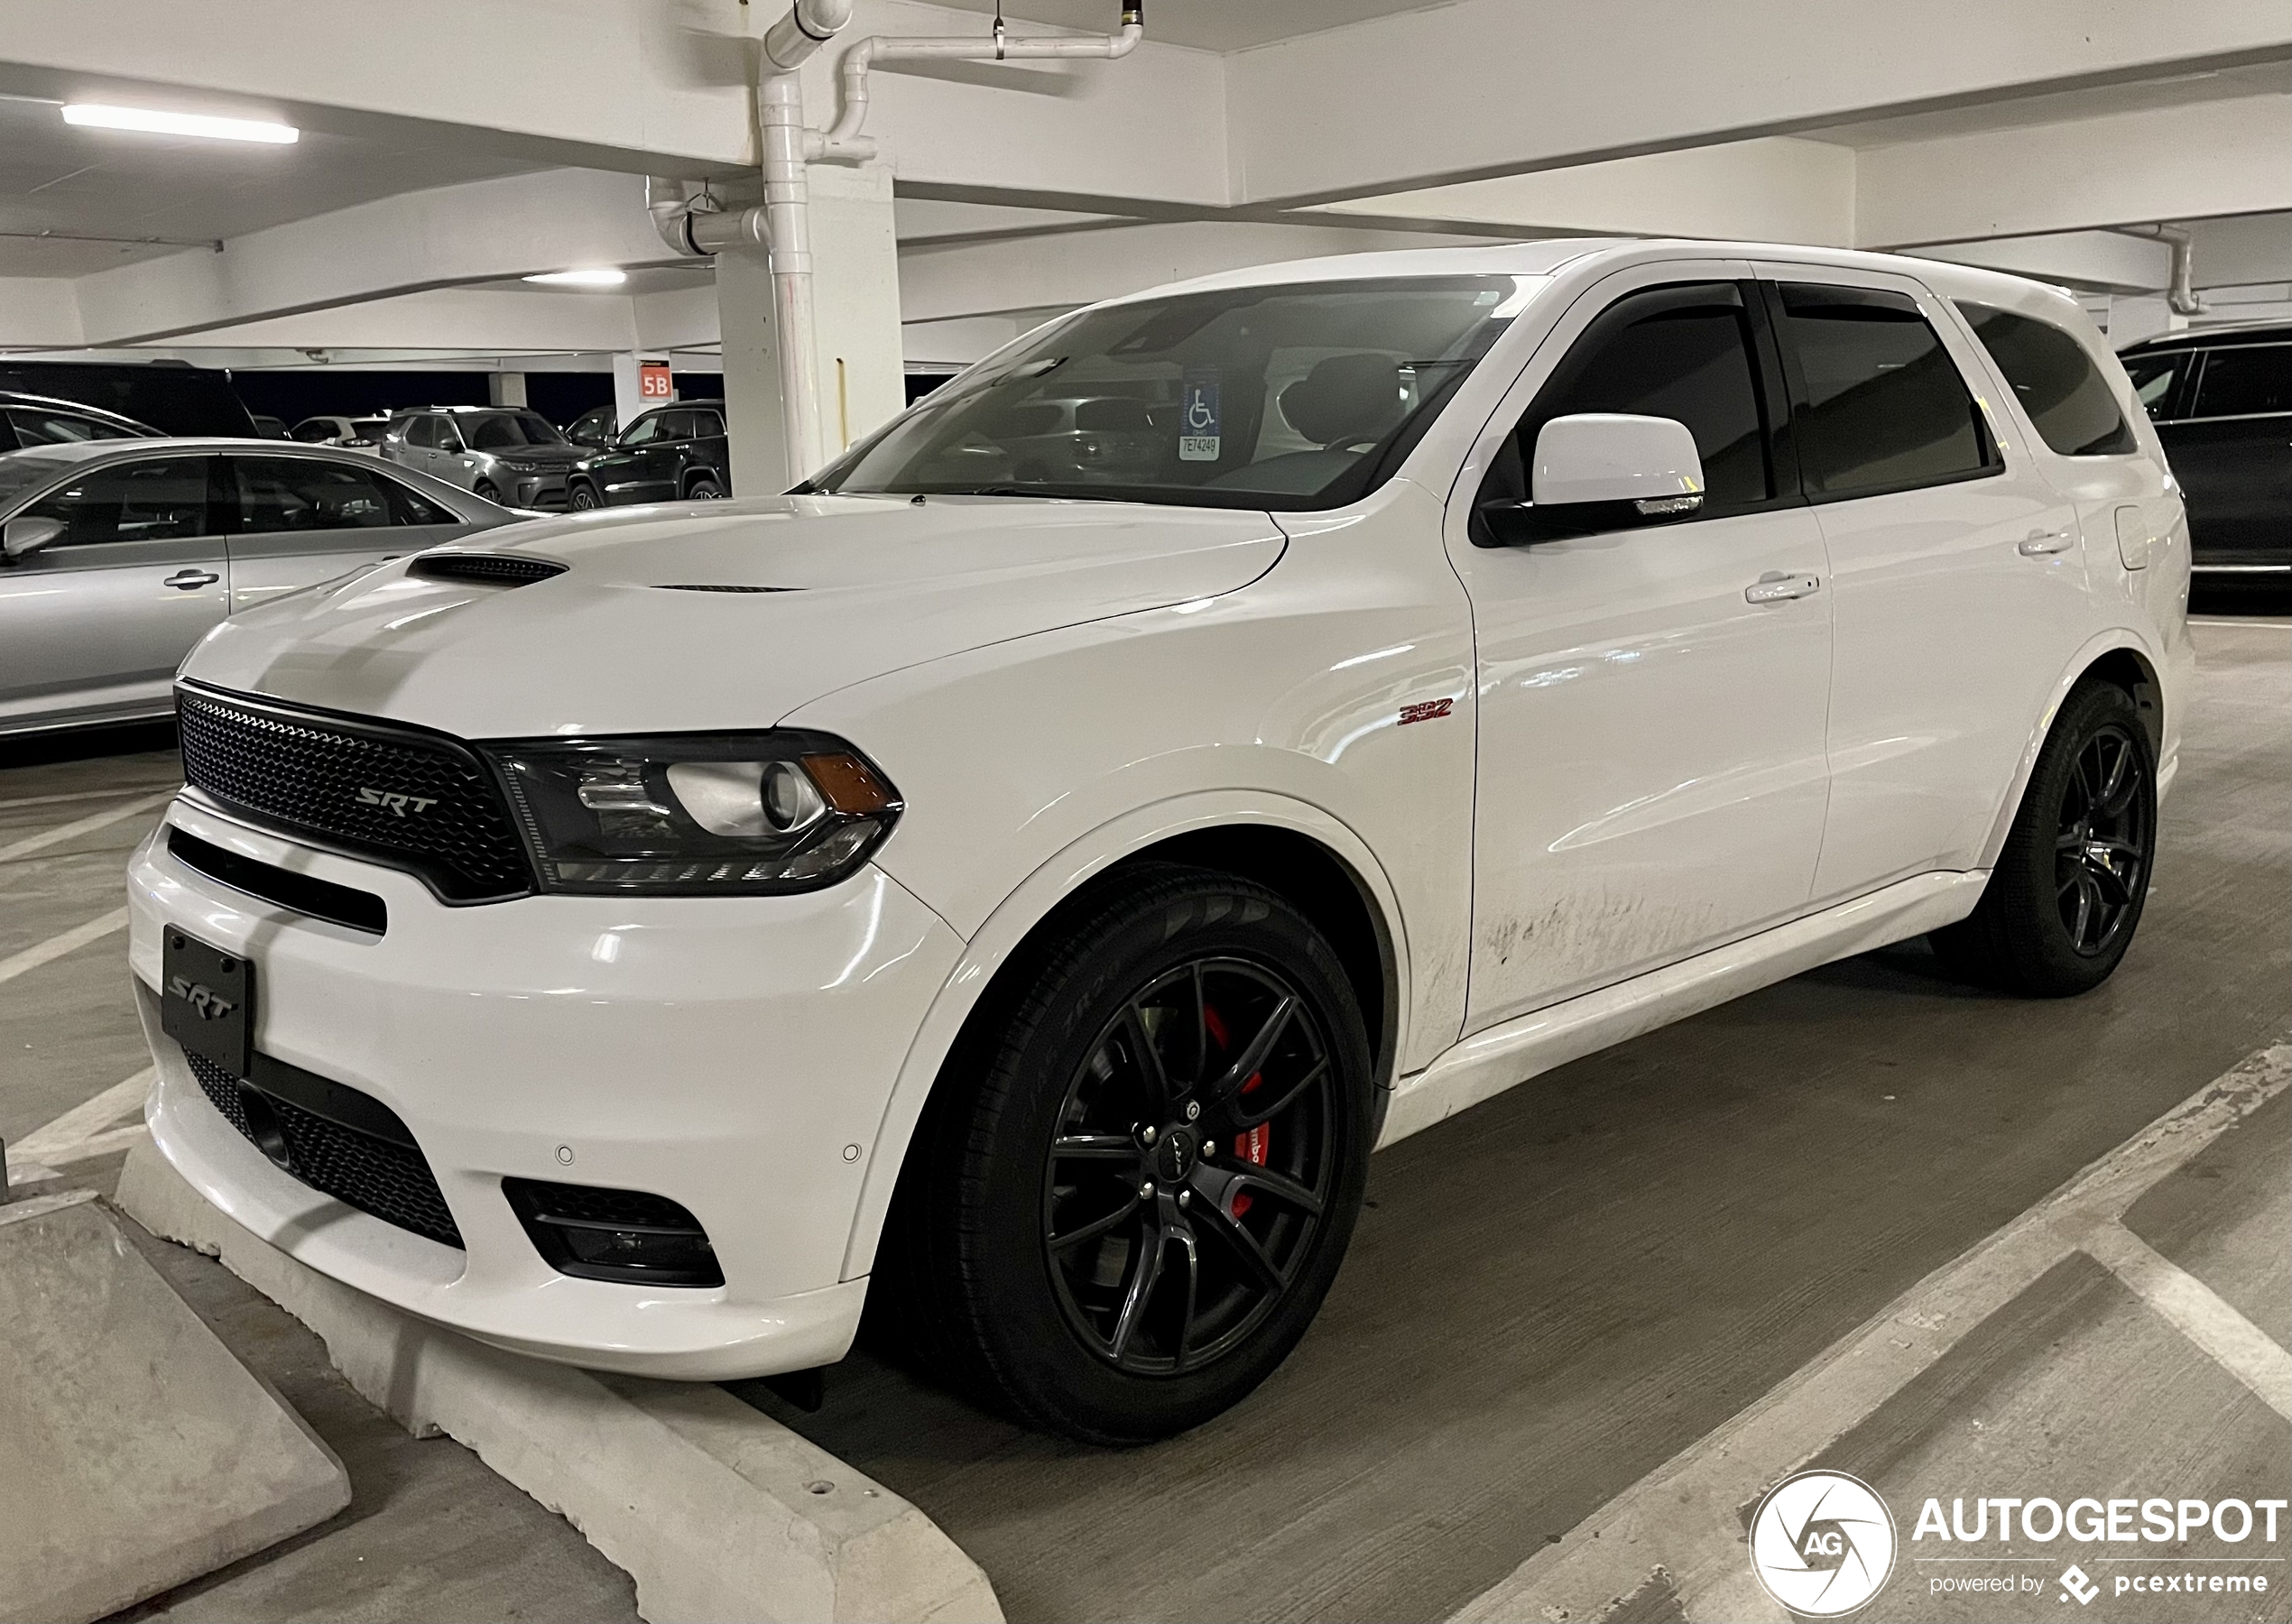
(1197,428)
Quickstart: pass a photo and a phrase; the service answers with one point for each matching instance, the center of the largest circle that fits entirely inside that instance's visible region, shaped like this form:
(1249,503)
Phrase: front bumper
(546,490)
(733,1054)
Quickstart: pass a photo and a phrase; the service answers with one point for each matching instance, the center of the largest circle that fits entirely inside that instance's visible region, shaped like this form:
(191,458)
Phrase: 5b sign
(653,383)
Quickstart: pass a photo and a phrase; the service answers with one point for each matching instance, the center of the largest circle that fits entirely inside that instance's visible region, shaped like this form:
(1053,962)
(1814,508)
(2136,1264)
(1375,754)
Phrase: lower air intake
(625,1235)
(392,1182)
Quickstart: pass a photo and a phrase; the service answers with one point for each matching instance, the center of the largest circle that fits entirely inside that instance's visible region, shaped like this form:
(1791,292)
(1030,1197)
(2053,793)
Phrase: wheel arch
(2117,657)
(1300,851)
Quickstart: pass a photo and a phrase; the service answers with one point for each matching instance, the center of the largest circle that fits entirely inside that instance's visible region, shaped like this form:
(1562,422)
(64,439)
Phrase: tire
(485,490)
(704,489)
(2068,892)
(581,498)
(1013,1258)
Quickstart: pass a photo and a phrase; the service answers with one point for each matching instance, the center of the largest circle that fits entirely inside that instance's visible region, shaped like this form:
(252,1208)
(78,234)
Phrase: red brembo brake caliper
(1257,1144)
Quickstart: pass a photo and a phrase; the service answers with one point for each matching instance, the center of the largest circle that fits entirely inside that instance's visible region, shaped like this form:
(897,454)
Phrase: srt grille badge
(398,804)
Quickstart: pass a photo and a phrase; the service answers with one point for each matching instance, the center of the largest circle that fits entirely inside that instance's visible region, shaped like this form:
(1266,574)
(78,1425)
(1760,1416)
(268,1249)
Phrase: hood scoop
(487,569)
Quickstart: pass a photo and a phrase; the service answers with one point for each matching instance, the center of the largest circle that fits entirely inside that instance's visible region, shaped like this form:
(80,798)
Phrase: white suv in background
(1030,892)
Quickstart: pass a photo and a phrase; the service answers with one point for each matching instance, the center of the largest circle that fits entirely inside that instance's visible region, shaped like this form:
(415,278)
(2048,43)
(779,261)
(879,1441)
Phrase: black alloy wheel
(582,497)
(2102,851)
(1141,1169)
(486,490)
(704,489)
(1194,1161)
(2071,881)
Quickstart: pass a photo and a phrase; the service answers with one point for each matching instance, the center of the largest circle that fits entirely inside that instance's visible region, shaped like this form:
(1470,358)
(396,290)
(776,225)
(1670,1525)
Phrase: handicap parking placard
(1197,428)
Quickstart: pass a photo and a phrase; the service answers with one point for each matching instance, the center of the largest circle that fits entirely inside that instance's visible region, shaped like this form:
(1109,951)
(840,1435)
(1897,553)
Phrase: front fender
(1027,906)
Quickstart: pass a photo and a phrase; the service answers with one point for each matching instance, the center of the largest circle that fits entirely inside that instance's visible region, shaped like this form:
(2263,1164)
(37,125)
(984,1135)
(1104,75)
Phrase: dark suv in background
(2221,400)
(670,454)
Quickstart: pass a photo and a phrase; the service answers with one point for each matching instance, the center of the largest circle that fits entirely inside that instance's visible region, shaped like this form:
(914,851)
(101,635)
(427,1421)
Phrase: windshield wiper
(1057,493)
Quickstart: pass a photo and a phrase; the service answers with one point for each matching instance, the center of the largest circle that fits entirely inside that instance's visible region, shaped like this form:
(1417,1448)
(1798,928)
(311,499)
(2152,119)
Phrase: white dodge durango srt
(1025,884)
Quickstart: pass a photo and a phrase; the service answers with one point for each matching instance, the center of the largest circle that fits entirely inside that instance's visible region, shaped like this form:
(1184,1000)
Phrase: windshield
(1299,396)
(507,430)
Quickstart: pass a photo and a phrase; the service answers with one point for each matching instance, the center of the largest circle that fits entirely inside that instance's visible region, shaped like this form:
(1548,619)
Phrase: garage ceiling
(82,183)
(1220,24)
(2176,91)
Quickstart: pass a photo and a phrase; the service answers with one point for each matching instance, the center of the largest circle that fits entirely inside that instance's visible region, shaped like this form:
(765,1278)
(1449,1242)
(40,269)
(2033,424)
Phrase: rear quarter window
(2065,394)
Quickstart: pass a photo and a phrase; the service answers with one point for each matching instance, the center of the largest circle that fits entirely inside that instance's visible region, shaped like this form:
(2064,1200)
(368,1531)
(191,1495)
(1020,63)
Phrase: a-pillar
(855,303)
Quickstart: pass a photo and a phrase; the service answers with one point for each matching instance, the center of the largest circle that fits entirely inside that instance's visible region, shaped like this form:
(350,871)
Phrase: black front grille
(488,569)
(391,1181)
(416,801)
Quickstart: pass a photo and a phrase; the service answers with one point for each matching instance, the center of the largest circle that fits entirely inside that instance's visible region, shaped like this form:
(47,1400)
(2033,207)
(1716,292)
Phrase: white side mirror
(24,536)
(1610,457)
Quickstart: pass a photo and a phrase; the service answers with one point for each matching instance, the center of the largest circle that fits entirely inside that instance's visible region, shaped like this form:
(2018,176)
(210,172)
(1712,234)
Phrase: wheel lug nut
(1148,1136)
(1146,1191)
(1185,1198)
(1209,1149)
(1193,1108)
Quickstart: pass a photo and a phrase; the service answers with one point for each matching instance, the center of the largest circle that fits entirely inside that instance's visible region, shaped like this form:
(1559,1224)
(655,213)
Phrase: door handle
(191,580)
(1775,587)
(2037,544)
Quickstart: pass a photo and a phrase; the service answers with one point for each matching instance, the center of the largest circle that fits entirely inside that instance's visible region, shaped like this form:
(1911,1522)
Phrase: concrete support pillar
(750,326)
(506,388)
(627,400)
(856,297)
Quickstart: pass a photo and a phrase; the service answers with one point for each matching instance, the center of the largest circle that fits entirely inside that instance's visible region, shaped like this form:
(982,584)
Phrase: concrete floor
(1547,1297)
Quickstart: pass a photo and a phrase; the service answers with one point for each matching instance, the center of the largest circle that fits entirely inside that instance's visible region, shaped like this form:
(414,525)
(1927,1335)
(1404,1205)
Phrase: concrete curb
(718,1512)
(136,1453)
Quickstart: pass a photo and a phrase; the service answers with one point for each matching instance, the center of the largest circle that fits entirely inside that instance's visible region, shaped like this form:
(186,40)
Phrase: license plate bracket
(207,1000)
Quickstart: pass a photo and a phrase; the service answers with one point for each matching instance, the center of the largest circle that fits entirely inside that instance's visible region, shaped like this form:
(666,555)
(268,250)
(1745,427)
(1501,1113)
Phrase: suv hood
(812,594)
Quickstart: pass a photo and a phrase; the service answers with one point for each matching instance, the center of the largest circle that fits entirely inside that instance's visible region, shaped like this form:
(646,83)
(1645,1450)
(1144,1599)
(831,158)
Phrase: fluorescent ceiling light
(603,276)
(96,116)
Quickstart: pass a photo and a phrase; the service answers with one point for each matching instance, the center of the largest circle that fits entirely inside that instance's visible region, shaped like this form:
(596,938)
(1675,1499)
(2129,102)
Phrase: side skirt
(1507,1055)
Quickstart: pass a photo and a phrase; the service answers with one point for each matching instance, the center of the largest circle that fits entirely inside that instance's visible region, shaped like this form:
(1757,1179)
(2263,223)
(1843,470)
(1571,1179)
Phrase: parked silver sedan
(116,556)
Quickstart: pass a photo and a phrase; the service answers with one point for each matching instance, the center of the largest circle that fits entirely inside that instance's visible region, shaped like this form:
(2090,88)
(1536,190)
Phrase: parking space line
(1681,1527)
(68,1137)
(56,947)
(2197,1312)
(86,826)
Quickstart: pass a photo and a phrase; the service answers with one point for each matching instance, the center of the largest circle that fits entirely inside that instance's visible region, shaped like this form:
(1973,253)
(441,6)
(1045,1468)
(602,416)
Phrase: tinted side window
(2245,382)
(422,431)
(707,425)
(157,500)
(2056,381)
(1879,405)
(1680,352)
(297,493)
(2156,381)
(310,431)
(645,430)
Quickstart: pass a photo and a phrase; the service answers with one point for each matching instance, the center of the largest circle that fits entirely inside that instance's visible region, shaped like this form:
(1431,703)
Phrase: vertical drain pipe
(2181,297)
(788,45)
(695,225)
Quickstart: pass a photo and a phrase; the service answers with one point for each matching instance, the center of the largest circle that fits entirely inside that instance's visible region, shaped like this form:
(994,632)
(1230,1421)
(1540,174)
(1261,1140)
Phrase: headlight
(697,814)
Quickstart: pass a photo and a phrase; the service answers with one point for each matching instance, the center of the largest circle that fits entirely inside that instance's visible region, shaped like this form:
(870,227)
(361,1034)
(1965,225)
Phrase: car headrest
(1344,399)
